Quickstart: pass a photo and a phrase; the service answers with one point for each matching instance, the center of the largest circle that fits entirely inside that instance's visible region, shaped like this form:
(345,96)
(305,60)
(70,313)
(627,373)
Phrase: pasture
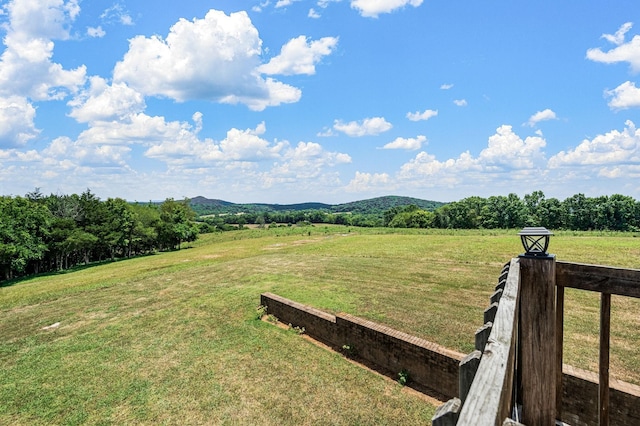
(173,338)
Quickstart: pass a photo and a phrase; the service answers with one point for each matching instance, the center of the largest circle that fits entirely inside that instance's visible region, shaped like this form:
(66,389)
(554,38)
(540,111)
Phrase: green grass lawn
(173,338)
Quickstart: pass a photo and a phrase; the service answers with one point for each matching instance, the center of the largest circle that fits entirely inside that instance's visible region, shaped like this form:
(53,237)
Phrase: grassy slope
(172,338)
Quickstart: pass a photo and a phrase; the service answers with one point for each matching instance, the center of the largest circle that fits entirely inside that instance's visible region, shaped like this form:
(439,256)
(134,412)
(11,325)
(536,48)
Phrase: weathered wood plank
(482,336)
(490,312)
(447,413)
(497,363)
(468,369)
(504,271)
(495,297)
(602,279)
(537,340)
(603,367)
(559,348)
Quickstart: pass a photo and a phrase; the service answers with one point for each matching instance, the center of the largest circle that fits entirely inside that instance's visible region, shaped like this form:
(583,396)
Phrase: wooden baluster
(467,372)
(447,414)
(605,332)
(559,348)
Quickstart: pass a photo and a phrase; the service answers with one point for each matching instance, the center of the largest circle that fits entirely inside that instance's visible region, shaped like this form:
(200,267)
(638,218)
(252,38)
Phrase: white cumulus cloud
(424,115)
(248,145)
(367,127)
(214,58)
(118,14)
(615,148)
(618,37)
(623,52)
(101,102)
(410,144)
(460,102)
(365,182)
(239,145)
(506,152)
(373,8)
(625,96)
(307,160)
(64,154)
(45,19)
(135,129)
(26,68)
(259,7)
(96,32)
(427,166)
(539,116)
(16,122)
(299,56)
(506,149)
(284,3)
(325,3)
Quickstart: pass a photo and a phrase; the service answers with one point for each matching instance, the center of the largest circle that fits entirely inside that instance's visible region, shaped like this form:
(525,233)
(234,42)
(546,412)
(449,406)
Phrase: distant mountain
(295,207)
(205,206)
(382,204)
(202,201)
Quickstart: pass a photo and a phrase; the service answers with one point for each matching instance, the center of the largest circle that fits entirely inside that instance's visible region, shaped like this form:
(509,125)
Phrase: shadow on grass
(393,375)
(77,268)
(427,392)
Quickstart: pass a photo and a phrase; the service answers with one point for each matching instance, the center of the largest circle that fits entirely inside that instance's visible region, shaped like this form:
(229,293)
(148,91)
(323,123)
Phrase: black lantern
(535,241)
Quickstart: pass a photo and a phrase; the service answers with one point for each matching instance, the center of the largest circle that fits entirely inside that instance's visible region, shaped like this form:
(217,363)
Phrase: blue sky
(286,101)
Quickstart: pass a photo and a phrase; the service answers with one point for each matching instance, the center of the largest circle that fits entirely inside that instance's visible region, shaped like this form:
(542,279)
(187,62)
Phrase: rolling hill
(206,206)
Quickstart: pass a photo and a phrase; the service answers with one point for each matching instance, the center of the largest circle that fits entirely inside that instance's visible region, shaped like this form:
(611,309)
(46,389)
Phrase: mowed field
(173,338)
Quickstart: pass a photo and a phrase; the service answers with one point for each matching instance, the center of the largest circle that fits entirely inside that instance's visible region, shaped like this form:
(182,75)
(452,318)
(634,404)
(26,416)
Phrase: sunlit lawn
(172,338)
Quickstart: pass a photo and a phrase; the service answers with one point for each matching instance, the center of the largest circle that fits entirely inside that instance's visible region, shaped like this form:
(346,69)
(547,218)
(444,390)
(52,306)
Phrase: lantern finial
(535,241)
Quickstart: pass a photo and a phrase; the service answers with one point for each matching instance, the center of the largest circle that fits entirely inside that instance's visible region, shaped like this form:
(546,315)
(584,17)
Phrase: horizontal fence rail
(601,279)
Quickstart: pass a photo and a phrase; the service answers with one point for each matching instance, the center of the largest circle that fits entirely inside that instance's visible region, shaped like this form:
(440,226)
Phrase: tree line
(578,212)
(225,222)
(41,233)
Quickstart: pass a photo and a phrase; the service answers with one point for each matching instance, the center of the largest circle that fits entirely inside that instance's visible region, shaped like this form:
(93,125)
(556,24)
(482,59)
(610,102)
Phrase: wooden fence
(515,374)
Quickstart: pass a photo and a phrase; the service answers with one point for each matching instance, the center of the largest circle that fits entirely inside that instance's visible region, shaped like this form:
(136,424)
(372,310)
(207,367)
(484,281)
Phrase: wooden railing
(517,365)
(490,394)
(606,281)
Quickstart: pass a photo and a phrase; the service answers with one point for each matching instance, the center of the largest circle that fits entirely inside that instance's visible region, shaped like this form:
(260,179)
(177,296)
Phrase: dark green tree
(145,232)
(24,228)
(120,223)
(177,223)
(575,213)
